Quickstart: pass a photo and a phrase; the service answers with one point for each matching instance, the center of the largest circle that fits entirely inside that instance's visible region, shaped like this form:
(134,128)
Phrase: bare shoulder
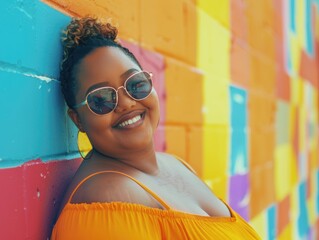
(112,187)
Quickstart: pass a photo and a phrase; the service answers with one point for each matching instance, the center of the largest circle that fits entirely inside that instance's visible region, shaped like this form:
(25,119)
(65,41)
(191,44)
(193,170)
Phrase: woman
(124,189)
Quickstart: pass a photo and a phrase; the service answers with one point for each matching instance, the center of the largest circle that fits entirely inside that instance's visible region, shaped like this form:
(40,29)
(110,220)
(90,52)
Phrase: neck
(142,160)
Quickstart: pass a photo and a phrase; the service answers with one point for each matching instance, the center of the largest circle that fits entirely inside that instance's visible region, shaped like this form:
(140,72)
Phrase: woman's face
(109,66)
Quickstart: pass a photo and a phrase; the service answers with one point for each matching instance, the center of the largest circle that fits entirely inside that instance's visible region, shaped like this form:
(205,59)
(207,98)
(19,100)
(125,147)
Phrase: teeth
(130,121)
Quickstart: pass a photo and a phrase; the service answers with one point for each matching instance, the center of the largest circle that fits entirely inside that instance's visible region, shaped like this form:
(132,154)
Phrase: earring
(84,145)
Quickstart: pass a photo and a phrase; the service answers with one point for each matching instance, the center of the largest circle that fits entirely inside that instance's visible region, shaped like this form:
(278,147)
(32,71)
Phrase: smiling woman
(124,189)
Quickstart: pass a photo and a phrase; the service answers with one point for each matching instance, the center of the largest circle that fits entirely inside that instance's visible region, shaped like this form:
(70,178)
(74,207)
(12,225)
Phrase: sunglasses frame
(85,102)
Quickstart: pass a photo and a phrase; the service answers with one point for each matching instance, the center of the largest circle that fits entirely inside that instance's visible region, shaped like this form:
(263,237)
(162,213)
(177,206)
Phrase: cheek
(95,124)
(97,129)
(153,103)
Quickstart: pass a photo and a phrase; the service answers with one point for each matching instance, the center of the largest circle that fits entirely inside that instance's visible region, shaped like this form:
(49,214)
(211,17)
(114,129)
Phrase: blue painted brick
(303,219)
(238,152)
(309,28)
(238,107)
(272,222)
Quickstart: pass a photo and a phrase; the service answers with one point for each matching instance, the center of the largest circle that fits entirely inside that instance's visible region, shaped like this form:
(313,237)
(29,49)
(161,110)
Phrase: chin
(140,143)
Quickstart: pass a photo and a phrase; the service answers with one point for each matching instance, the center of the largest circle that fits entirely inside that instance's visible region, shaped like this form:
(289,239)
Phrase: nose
(125,102)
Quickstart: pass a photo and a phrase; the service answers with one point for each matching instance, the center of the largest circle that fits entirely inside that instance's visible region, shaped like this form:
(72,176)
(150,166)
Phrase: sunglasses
(104,100)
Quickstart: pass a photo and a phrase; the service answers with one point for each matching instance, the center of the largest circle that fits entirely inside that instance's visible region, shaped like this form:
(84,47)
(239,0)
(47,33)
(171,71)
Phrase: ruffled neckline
(135,207)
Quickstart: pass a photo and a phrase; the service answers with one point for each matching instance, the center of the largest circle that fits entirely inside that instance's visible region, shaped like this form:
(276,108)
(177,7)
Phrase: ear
(76,119)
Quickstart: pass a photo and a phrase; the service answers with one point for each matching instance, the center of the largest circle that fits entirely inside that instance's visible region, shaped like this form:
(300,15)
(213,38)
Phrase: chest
(183,191)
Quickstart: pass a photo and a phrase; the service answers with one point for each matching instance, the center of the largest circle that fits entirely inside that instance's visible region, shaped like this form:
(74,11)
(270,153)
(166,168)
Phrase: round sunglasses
(104,100)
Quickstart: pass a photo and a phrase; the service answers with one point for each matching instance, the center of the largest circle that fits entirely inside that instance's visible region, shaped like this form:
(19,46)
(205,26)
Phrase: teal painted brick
(33,120)
(30,36)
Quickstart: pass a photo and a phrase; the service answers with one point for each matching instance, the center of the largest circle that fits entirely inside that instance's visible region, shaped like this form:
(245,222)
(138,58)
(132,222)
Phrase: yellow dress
(121,221)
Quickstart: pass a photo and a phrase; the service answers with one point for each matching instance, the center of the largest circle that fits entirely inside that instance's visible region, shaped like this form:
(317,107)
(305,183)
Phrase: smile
(130,121)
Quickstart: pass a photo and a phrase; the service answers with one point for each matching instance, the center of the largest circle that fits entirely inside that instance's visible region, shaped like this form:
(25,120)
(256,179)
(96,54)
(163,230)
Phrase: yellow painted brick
(302,128)
(312,200)
(219,10)
(295,53)
(300,22)
(84,144)
(294,208)
(219,186)
(216,102)
(213,44)
(294,175)
(286,234)
(216,151)
(296,91)
(213,57)
(259,223)
(283,162)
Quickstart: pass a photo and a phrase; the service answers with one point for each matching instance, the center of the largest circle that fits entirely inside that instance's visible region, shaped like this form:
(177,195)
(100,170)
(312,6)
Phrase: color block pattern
(238,86)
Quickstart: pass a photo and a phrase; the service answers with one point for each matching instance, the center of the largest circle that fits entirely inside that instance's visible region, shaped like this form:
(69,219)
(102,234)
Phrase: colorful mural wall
(238,82)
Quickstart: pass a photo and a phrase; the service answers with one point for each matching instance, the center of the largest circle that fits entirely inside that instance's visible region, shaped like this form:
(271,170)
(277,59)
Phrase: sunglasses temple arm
(80,104)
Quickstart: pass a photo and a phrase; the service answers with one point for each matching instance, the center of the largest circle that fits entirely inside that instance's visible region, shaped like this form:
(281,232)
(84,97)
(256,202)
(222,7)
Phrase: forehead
(105,59)
(101,65)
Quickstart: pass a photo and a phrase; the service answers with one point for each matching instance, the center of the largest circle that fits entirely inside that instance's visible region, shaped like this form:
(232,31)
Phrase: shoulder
(112,187)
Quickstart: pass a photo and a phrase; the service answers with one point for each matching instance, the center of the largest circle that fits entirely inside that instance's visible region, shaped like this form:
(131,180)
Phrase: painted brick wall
(238,84)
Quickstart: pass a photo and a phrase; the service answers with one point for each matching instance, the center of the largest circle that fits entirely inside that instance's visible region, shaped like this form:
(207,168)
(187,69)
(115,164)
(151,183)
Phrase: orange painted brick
(279,26)
(190,35)
(282,77)
(256,153)
(262,146)
(283,216)
(184,93)
(176,141)
(260,16)
(60,5)
(238,18)
(308,68)
(126,18)
(80,8)
(240,63)
(263,74)
(195,148)
(262,188)
(262,110)
(162,26)
(168,27)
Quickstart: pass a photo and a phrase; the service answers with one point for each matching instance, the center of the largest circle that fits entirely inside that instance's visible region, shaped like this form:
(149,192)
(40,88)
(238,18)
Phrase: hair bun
(82,29)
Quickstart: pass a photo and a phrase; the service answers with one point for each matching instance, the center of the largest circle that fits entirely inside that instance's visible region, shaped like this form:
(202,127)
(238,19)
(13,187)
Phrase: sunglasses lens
(102,101)
(139,86)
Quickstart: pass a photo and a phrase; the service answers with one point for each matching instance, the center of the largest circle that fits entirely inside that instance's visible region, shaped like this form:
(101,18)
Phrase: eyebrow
(124,75)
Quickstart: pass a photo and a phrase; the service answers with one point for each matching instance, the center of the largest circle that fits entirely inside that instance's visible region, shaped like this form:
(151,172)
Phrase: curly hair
(81,37)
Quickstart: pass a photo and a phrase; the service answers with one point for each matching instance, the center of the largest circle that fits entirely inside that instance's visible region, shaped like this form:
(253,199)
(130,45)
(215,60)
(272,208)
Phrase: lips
(129,119)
